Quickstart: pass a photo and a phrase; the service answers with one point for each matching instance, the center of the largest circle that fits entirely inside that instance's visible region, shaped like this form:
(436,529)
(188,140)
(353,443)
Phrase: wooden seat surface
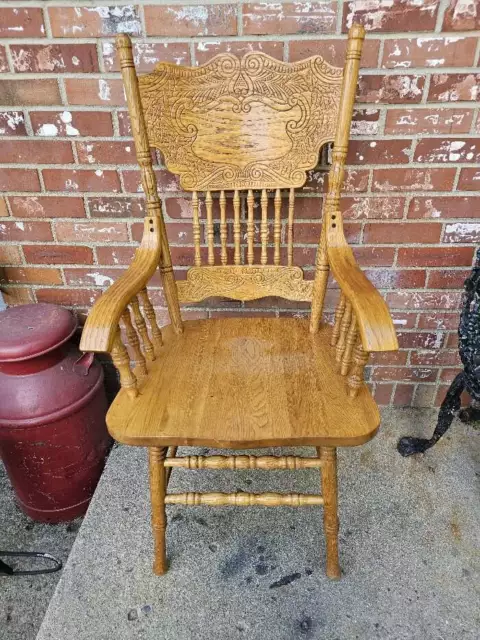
(244,383)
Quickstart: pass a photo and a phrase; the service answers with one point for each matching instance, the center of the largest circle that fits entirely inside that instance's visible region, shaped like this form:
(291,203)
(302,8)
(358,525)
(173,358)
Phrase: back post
(149,181)
(336,174)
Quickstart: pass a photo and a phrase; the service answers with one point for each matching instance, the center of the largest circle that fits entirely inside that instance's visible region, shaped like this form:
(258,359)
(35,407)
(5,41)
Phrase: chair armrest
(102,322)
(375,324)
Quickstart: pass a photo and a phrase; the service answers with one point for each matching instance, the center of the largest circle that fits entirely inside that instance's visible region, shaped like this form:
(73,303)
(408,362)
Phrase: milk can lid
(30,330)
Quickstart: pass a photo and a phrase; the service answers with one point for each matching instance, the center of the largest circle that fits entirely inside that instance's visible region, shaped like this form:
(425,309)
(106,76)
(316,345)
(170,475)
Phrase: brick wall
(70,216)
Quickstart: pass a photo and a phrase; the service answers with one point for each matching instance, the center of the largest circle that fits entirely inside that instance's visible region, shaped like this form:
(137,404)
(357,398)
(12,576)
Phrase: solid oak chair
(242,125)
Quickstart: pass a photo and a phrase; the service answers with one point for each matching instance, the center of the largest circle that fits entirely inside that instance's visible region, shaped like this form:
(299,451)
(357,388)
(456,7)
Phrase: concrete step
(409,540)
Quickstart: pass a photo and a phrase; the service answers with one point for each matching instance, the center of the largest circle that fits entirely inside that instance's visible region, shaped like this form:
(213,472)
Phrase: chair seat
(244,383)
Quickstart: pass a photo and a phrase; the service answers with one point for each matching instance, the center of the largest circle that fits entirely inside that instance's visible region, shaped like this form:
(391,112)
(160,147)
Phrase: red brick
(454,86)
(447,375)
(98,91)
(452,341)
(177,232)
(111,152)
(306,233)
(21,23)
(435,358)
(10,254)
(435,256)
(382,393)
(47,207)
(92,277)
(57,254)
(4,67)
(36,151)
(469,180)
(91,231)
(399,15)
(30,275)
(438,320)
(265,18)
(69,297)
(428,52)
(403,395)
(372,208)
(147,54)
(124,127)
(374,256)
(71,123)
(333,51)
(12,123)
(407,121)
(441,392)
(19,180)
(423,300)
(451,279)
(443,207)
(93,22)
(390,358)
(191,20)
(17,295)
(462,232)
(114,254)
(365,122)
(398,233)
(3,208)
(110,207)
(413,179)
(54,58)
(461,15)
(166,181)
(438,150)
(29,92)
(396,279)
(21,231)
(355,180)
(405,374)
(420,340)
(204,51)
(81,180)
(379,151)
(390,89)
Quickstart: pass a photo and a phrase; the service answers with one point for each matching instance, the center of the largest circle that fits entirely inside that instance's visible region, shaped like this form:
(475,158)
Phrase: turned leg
(156,456)
(328,456)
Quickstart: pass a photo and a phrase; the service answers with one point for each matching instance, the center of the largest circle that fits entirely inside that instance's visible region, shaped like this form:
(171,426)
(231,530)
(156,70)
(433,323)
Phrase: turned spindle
(344,327)
(151,317)
(339,311)
(121,361)
(356,378)
(142,329)
(134,342)
(350,342)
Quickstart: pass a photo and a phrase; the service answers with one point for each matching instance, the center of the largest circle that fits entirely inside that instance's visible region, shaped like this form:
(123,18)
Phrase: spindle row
(350,356)
(237,227)
(144,342)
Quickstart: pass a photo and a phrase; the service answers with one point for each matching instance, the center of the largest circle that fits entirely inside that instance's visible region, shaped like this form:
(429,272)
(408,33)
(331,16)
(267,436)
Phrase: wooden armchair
(244,126)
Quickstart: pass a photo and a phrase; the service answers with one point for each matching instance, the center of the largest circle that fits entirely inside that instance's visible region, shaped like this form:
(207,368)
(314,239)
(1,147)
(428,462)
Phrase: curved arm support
(375,324)
(102,322)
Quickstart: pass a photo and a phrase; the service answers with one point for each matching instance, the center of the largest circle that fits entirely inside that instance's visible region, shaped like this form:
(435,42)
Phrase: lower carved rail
(244,462)
(242,499)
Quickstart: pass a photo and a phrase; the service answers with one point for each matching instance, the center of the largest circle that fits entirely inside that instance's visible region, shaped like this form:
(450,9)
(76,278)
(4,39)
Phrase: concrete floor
(24,600)
(409,540)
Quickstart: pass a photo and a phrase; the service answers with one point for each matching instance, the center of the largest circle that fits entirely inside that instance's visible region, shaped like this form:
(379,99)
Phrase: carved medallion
(249,123)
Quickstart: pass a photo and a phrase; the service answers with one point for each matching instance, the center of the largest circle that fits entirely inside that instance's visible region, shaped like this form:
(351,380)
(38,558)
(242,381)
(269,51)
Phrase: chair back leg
(158,488)
(328,456)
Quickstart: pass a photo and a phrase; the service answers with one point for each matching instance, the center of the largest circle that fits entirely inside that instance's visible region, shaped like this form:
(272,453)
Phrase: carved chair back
(241,134)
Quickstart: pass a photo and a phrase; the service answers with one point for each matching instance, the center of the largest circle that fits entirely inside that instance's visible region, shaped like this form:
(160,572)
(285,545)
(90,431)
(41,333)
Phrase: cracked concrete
(409,543)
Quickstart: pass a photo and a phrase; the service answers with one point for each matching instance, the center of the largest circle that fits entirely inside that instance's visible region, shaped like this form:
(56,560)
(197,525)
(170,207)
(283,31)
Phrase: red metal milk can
(53,438)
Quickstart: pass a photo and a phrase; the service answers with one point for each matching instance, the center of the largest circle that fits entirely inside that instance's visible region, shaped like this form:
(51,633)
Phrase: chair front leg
(328,456)
(158,488)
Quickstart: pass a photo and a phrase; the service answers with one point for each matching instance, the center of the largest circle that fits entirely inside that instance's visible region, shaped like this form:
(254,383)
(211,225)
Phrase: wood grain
(158,488)
(241,123)
(267,463)
(242,499)
(244,382)
(328,456)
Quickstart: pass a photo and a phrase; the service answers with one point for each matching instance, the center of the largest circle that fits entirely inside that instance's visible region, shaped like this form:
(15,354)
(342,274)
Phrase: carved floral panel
(248,123)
